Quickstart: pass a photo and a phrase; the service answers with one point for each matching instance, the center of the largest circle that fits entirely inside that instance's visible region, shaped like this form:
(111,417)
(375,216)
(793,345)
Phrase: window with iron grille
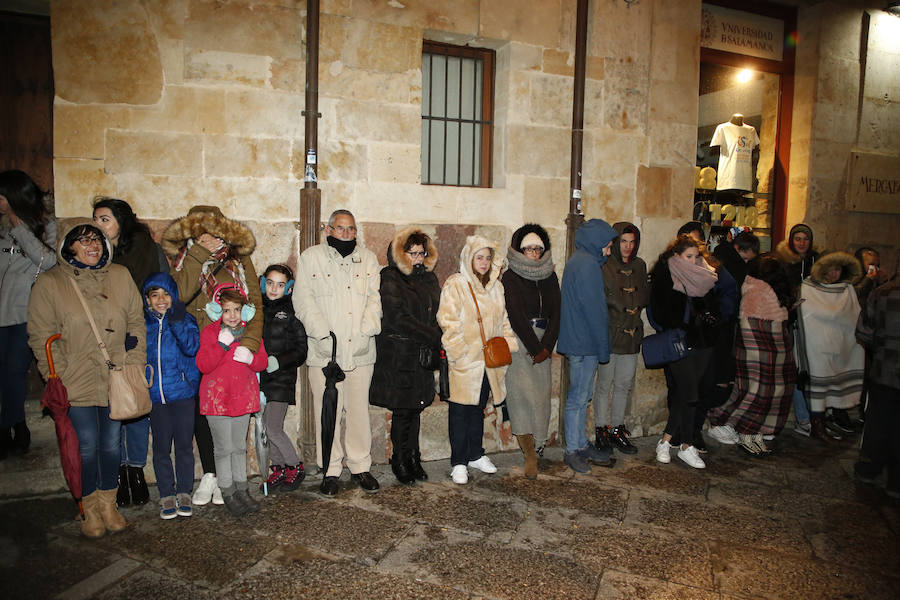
(457,113)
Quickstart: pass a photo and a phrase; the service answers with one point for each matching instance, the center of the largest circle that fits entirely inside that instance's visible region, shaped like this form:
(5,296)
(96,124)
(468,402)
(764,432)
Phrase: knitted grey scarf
(532,270)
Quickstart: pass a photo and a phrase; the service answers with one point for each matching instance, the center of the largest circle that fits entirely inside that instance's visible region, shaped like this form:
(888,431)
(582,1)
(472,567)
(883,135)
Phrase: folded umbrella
(333,374)
(262,442)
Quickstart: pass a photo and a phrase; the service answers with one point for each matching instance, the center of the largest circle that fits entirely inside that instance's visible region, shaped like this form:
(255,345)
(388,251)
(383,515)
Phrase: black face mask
(344,247)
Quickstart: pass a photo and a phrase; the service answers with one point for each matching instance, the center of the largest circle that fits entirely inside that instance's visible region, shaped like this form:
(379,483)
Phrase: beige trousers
(353,406)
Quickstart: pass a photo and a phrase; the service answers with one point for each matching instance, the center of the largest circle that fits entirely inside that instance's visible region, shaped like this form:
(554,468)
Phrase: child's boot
(276,478)
(123,494)
(140,493)
(234,505)
(242,494)
(293,477)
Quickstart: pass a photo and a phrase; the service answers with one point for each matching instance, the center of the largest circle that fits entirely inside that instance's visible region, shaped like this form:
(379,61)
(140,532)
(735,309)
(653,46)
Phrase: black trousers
(405,432)
(881,443)
(466,424)
(686,379)
(204,439)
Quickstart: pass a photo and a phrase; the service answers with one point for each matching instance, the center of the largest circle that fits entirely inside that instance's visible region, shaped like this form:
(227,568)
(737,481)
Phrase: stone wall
(833,116)
(172,103)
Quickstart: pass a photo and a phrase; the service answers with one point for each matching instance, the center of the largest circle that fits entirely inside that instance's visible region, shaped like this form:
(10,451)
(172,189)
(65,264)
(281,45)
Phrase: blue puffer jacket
(584,323)
(172,343)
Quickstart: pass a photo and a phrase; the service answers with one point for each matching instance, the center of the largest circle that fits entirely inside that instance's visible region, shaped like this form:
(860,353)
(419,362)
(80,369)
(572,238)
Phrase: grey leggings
(230,449)
(281,448)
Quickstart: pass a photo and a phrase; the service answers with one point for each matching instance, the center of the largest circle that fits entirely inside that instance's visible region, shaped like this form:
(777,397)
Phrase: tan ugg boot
(526,443)
(112,519)
(92,524)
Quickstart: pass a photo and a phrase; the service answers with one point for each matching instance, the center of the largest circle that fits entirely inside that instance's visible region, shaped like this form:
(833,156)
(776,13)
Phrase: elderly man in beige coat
(337,291)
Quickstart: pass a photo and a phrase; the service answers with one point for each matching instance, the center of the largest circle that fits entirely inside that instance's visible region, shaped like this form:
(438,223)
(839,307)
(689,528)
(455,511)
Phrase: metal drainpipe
(576,216)
(310,202)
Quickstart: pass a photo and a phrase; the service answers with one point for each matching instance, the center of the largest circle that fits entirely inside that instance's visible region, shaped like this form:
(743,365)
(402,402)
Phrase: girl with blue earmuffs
(229,391)
(285,339)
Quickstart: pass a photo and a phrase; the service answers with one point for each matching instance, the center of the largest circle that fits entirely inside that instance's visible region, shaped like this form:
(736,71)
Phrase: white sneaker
(691,457)
(768,437)
(483,464)
(204,491)
(663,452)
(460,474)
(803,428)
(724,434)
(217,497)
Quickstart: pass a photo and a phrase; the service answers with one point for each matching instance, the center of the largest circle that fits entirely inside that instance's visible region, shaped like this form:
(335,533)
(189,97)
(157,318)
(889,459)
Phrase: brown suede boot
(818,432)
(92,524)
(112,519)
(526,443)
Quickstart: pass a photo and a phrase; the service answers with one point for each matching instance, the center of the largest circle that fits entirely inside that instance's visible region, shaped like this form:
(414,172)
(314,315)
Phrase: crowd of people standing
(758,334)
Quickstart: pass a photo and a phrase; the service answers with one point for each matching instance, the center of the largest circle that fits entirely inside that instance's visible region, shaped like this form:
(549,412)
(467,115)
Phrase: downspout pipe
(576,215)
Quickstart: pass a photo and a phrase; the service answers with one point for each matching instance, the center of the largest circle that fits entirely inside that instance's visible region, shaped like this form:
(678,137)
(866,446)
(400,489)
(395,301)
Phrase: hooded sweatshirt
(584,328)
(172,343)
(798,268)
(116,307)
(458,319)
(627,292)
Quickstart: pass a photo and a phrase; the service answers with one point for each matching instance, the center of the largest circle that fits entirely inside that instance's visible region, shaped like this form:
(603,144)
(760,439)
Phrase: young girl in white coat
(480,266)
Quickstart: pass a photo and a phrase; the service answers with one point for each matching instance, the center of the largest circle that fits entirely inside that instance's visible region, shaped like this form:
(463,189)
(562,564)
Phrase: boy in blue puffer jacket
(172,342)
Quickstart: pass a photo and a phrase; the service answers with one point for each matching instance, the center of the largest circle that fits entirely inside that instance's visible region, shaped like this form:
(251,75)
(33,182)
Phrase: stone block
(379,122)
(538,151)
(160,196)
(395,163)
(612,157)
(838,81)
(524,57)
(171,54)
(381,47)
(621,30)
(288,74)
(678,143)
(609,202)
(594,113)
(491,206)
(506,20)
(267,113)
(336,7)
(551,100)
(663,61)
(516,98)
(104,52)
(878,130)
(332,33)
(153,153)
(839,25)
(215,66)
(674,103)
(255,28)
(402,202)
(184,109)
(654,190)
(460,16)
(625,95)
(340,81)
(338,161)
(546,201)
(260,199)
(561,62)
(79,131)
(682,191)
(229,156)
(167,17)
(77,181)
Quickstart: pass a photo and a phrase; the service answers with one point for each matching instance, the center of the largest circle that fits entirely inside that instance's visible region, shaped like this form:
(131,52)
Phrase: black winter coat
(285,339)
(667,307)
(409,303)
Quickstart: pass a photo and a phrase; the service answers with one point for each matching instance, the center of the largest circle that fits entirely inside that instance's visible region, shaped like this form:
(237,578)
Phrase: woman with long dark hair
(27,239)
(133,248)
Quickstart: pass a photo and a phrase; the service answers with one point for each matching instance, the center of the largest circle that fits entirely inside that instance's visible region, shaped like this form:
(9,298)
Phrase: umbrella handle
(47,345)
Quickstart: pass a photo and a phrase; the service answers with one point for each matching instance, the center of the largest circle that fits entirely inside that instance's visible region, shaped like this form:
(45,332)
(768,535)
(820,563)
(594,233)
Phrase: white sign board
(741,32)
(874,183)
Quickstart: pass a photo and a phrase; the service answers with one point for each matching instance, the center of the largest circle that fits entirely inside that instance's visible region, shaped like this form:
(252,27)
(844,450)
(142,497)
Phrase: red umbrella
(56,400)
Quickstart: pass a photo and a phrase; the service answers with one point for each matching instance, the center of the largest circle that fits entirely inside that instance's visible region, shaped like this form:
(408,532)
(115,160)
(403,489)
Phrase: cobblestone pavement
(793,525)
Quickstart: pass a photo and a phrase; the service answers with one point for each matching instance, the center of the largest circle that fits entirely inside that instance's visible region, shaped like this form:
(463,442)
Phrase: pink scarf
(694,279)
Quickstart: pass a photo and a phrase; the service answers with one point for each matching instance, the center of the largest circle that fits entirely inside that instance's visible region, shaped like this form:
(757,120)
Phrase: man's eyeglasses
(532,250)
(87,240)
(417,254)
(342,229)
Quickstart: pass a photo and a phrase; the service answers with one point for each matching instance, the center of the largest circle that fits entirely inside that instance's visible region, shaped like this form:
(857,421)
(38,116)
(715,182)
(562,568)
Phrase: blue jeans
(135,441)
(801,411)
(14,360)
(581,385)
(98,443)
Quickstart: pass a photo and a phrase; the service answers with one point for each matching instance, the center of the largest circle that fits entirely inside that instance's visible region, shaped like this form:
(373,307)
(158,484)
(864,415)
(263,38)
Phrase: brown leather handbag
(496,350)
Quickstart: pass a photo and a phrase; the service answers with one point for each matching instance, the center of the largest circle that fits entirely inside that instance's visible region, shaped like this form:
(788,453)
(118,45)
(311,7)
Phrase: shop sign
(874,183)
(741,32)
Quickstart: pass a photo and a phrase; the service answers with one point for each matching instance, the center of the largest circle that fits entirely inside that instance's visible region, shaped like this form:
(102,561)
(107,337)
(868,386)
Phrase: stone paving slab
(581,493)
(616,585)
(662,478)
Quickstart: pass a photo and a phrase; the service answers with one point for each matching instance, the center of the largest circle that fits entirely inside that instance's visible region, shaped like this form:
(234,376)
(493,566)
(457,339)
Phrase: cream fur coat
(459,321)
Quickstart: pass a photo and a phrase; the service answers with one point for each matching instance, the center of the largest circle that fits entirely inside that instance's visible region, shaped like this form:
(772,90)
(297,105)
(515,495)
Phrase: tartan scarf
(207,279)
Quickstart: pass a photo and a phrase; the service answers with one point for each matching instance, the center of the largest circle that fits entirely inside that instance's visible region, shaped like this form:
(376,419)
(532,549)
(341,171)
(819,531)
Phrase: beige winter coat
(459,321)
(339,294)
(117,309)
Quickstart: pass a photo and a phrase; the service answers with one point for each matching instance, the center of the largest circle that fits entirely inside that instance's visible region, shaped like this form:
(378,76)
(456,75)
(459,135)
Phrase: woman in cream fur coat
(480,264)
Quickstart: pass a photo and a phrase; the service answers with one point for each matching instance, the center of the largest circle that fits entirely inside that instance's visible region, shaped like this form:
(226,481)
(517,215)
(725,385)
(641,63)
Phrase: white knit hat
(532,239)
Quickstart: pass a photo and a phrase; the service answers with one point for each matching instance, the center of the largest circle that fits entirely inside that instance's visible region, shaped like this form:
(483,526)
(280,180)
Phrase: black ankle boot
(415,465)
(402,470)
(22,439)
(619,437)
(139,492)
(123,495)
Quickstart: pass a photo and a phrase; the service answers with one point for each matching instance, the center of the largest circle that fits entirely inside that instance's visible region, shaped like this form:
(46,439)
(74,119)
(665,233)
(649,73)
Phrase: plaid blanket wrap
(764,382)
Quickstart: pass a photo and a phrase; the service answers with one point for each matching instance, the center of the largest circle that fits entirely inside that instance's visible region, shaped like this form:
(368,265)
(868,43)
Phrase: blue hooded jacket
(172,343)
(584,326)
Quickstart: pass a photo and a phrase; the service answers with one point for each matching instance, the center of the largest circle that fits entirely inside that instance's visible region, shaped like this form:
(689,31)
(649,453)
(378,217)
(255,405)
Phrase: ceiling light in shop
(744,75)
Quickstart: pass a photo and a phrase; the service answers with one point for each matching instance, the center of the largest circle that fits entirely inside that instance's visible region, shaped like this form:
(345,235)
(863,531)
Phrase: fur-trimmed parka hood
(474,243)
(396,257)
(517,236)
(851,270)
(785,248)
(207,219)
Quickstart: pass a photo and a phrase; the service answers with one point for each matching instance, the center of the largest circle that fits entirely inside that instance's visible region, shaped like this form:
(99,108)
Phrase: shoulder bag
(496,350)
(129,390)
(666,346)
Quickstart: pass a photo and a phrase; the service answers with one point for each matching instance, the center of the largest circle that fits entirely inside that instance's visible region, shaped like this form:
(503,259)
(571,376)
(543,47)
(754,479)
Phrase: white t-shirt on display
(736,144)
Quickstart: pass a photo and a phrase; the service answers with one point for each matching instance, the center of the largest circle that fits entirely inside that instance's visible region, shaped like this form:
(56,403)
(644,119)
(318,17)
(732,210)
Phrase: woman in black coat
(410,295)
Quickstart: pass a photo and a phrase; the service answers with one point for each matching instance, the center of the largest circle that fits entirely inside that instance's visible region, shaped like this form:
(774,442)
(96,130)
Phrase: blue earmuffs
(214,309)
(288,287)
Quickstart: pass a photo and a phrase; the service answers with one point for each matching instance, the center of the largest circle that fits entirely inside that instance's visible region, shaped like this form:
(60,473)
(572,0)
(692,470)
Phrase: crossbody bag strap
(477,310)
(202,283)
(90,317)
